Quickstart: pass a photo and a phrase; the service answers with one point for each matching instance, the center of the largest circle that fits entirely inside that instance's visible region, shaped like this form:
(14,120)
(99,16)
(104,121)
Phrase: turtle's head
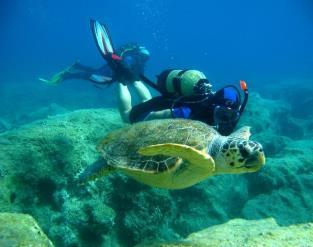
(237,154)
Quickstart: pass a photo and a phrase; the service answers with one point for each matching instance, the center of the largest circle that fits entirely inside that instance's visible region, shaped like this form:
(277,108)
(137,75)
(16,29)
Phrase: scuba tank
(183,83)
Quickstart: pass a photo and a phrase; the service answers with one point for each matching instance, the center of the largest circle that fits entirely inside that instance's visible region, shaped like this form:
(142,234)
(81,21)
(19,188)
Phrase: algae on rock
(246,233)
(39,165)
(250,233)
(21,230)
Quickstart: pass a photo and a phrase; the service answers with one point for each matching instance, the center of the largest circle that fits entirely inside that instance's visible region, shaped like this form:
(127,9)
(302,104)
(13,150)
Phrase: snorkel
(244,88)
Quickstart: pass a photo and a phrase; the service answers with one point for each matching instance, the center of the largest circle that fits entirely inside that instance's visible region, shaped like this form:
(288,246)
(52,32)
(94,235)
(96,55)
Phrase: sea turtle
(175,153)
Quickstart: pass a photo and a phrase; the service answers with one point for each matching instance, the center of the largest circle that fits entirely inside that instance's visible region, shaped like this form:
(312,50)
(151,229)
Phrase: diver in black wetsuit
(187,94)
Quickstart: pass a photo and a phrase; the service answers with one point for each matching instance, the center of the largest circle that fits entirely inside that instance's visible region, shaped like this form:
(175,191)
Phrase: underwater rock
(44,112)
(248,233)
(272,123)
(4,125)
(21,230)
(282,189)
(291,128)
(266,232)
(263,115)
(39,163)
(211,202)
(297,95)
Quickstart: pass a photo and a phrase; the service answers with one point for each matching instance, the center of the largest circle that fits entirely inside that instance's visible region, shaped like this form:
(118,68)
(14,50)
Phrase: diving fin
(44,80)
(102,38)
(60,76)
(56,79)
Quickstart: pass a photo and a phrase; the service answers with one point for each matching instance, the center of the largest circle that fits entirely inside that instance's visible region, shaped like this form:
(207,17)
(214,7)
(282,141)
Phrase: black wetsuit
(131,66)
(200,109)
(83,72)
(126,70)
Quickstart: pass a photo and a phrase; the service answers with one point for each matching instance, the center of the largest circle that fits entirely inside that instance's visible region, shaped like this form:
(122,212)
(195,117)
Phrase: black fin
(102,38)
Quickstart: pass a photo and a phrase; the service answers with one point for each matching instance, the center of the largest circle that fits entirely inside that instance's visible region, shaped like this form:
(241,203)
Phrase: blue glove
(181,112)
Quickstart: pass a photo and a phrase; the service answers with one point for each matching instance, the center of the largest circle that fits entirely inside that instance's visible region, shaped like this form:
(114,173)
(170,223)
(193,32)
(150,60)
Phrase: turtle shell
(120,148)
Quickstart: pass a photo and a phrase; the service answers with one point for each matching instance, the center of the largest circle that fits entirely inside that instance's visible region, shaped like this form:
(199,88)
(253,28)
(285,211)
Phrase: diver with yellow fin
(124,64)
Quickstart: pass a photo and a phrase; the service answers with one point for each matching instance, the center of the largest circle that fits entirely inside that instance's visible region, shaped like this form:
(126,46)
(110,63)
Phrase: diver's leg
(124,101)
(78,66)
(142,91)
(74,71)
(78,71)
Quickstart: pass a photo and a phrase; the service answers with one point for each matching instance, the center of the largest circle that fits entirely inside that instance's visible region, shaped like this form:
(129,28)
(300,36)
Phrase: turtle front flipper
(193,156)
(97,169)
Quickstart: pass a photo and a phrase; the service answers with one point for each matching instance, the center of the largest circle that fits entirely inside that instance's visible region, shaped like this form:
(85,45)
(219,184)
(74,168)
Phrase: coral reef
(21,230)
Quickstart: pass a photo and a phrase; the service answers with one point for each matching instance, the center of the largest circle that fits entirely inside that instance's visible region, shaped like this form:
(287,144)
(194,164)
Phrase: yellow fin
(190,154)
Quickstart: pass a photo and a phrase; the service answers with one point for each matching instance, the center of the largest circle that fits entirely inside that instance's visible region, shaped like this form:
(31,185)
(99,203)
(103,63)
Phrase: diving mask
(223,114)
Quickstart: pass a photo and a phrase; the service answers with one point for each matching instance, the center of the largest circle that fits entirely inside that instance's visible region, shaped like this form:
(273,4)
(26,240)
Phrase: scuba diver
(104,75)
(133,57)
(184,93)
(188,94)
(124,66)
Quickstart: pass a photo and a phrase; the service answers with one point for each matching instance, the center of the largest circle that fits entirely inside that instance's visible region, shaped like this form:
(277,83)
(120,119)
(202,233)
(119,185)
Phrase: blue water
(261,42)
(228,40)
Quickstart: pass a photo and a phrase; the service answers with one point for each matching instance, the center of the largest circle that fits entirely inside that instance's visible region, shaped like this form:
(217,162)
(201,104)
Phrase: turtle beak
(261,158)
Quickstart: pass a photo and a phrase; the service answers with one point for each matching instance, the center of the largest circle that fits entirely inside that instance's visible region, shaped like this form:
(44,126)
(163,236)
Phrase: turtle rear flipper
(97,169)
(195,157)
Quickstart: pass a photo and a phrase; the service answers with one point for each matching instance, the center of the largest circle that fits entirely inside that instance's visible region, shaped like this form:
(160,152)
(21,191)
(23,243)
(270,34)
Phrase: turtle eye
(244,152)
